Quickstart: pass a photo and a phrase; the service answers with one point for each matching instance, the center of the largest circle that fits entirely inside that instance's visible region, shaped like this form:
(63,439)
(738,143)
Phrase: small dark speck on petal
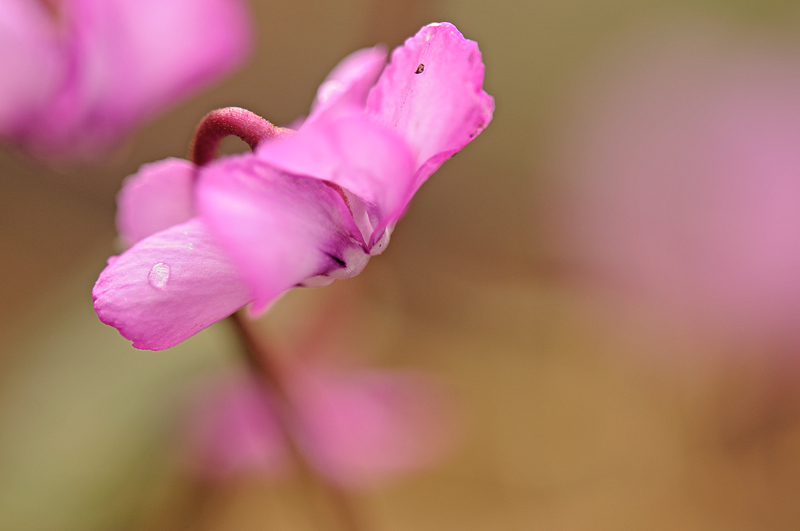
(420,68)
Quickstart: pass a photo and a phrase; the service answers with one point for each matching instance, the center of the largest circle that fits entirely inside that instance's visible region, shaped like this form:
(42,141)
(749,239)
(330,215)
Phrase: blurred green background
(586,405)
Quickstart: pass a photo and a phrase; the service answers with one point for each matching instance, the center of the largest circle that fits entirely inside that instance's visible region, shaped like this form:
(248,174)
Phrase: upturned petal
(157,197)
(279,229)
(350,81)
(354,152)
(168,287)
(432,94)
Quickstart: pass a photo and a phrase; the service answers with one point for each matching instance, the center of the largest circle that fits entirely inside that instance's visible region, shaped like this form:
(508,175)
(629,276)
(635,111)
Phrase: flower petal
(29,60)
(172,46)
(432,94)
(279,229)
(357,154)
(235,427)
(168,287)
(159,196)
(350,81)
(363,427)
(131,59)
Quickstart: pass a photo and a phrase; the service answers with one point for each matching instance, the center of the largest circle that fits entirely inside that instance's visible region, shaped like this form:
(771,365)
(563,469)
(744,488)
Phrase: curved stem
(236,121)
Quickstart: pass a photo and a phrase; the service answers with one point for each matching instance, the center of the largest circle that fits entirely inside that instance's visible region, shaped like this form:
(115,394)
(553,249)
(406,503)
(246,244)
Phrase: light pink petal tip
(280,230)
(432,94)
(350,81)
(168,287)
(352,151)
(159,196)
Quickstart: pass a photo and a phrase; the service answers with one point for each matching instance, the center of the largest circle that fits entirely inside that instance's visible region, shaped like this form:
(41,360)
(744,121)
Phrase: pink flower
(684,191)
(79,74)
(304,209)
(358,428)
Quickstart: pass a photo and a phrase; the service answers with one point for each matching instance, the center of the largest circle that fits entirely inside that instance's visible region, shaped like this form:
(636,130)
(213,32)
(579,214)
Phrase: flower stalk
(269,376)
(253,129)
(218,124)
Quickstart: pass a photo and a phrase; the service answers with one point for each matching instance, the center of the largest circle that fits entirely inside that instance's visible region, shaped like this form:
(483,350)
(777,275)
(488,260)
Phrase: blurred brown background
(589,402)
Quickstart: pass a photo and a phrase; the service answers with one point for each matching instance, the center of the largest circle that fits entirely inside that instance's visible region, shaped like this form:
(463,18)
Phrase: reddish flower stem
(269,376)
(220,123)
(253,129)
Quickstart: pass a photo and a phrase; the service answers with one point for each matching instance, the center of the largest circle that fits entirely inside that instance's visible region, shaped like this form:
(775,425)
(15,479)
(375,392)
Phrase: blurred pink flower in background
(357,427)
(80,74)
(235,426)
(685,190)
(306,207)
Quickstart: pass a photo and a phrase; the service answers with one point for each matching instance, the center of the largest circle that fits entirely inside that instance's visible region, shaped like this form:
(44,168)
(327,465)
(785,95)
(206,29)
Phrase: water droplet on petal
(159,275)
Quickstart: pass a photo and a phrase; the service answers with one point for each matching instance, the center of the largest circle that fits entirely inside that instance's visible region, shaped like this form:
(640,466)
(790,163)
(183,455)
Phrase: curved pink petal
(357,154)
(361,427)
(30,61)
(168,287)
(128,60)
(350,81)
(157,197)
(279,229)
(432,94)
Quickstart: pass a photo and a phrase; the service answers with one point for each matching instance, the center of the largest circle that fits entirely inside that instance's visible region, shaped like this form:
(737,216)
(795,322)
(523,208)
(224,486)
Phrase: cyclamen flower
(306,207)
(79,74)
(356,427)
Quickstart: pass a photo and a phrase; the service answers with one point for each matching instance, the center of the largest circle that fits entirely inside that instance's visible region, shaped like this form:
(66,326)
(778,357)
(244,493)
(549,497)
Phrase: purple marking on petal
(279,229)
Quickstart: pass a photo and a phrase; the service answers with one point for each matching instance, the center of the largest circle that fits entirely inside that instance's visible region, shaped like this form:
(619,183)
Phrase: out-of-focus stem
(269,375)
(253,129)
